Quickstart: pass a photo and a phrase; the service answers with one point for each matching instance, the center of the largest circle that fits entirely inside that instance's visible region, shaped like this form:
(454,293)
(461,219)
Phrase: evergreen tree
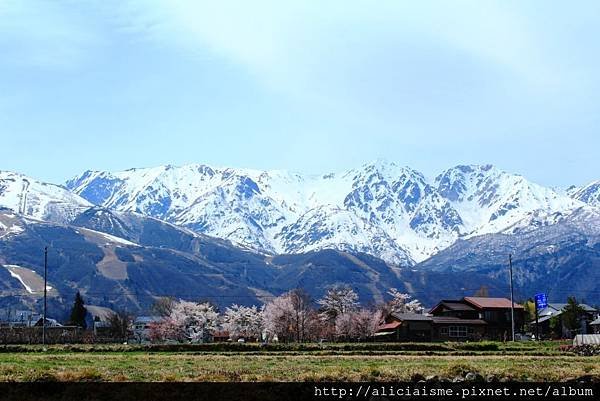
(78,312)
(572,314)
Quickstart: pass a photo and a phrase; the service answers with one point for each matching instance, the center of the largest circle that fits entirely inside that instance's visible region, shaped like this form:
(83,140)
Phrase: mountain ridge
(356,229)
(409,215)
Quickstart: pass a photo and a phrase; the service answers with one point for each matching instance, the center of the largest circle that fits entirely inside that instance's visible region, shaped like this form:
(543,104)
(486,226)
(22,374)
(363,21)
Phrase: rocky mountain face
(391,212)
(589,194)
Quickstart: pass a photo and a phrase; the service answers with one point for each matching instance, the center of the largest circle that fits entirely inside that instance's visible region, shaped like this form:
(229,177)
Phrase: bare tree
(119,323)
(163,306)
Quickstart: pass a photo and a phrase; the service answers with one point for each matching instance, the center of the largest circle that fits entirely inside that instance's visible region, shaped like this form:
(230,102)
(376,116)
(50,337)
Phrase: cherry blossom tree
(186,321)
(278,317)
(338,300)
(358,324)
(165,329)
(344,325)
(365,323)
(243,321)
(401,303)
(290,317)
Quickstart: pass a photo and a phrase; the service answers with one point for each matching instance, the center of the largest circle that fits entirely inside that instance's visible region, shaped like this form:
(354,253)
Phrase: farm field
(358,362)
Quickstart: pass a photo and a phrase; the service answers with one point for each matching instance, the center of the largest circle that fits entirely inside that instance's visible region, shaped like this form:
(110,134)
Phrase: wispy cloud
(46,34)
(399,78)
(327,51)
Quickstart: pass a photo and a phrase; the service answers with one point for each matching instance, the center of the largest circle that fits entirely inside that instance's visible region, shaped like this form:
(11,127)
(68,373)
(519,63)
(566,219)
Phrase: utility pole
(537,323)
(512,298)
(45,294)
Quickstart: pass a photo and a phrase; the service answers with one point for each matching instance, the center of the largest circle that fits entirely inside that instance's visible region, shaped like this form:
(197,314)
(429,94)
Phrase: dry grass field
(335,363)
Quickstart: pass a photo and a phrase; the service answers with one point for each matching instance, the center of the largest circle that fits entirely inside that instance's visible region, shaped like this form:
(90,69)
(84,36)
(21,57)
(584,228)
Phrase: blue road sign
(541,301)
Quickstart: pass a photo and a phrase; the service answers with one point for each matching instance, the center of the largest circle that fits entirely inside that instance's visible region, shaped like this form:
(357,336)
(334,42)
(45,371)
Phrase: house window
(444,330)
(457,331)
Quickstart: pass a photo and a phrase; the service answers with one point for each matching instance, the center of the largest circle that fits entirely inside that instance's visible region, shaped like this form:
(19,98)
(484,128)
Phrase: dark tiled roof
(411,316)
(453,305)
(561,306)
(457,305)
(588,308)
(542,319)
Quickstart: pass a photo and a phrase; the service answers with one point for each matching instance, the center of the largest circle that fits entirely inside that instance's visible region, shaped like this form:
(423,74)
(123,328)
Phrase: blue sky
(309,86)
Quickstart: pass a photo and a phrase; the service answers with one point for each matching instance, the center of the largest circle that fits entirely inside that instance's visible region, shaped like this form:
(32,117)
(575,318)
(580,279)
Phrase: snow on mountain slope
(393,212)
(9,223)
(490,200)
(39,200)
(589,194)
(405,205)
(583,219)
(327,227)
(29,279)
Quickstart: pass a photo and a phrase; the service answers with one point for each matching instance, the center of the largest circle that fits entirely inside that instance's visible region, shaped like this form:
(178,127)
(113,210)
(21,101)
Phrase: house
(477,317)
(425,327)
(141,327)
(405,327)
(449,328)
(470,318)
(595,325)
(551,324)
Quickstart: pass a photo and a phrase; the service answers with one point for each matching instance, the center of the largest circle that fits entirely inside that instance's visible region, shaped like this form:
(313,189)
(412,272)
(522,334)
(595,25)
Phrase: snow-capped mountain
(39,200)
(327,227)
(383,209)
(490,200)
(589,194)
(557,254)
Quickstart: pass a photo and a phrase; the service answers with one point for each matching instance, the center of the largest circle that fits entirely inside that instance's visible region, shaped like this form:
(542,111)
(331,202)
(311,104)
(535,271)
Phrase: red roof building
(495,313)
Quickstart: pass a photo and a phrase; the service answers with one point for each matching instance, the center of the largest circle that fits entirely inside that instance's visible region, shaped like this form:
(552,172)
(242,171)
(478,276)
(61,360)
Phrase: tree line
(290,317)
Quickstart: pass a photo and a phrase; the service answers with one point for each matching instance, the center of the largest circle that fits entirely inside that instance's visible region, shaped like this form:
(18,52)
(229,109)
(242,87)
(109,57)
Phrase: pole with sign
(541,301)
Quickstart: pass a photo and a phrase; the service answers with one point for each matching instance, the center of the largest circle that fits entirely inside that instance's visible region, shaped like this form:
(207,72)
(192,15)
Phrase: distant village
(294,317)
